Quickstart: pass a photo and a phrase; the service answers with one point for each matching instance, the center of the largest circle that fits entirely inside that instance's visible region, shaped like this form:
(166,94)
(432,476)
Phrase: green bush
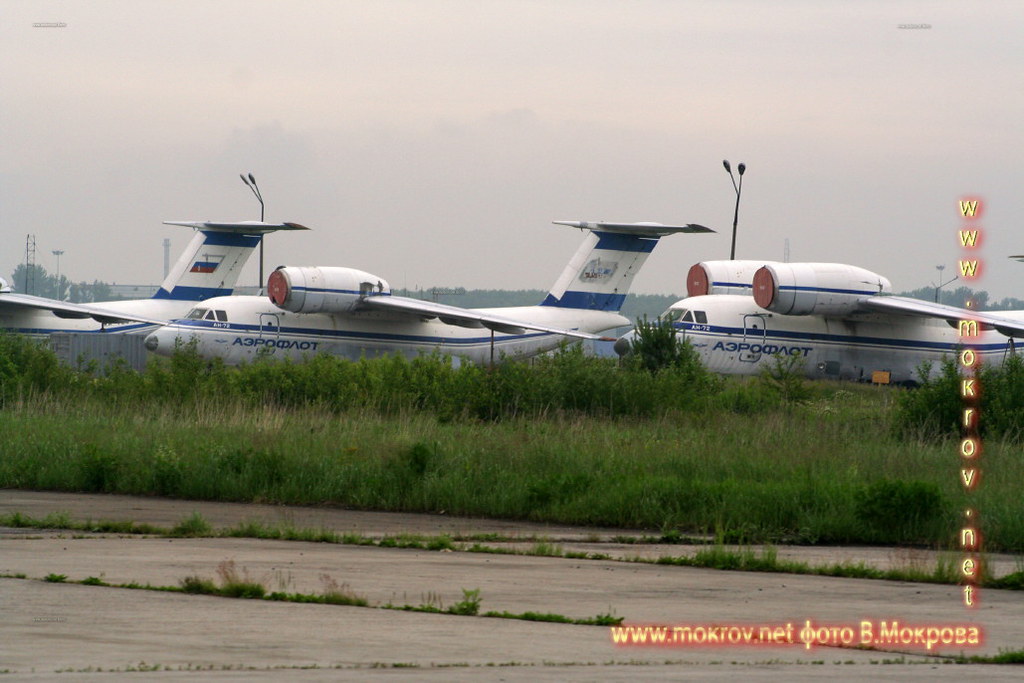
(901,511)
(935,409)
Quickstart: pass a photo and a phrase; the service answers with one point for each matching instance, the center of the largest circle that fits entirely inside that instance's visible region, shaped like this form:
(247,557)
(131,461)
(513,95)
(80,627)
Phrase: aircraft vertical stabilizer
(213,260)
(601,272)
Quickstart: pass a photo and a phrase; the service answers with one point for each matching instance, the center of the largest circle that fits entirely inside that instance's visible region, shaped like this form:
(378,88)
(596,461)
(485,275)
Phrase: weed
(442,542)
(545,549)
(196,584)
(55,578)
(57,520)
(784,375)
(193,525)
(235,584)
(17,520)
(335,594)
(469,605)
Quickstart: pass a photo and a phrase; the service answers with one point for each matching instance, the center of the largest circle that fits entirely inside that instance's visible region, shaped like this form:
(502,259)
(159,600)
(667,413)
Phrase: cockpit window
(222,316)
(688,317)
(196,314)
(701,317)
(671,315)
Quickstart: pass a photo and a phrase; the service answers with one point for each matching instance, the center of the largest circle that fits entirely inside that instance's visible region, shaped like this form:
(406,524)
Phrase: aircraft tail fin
(600,273)
(213,260)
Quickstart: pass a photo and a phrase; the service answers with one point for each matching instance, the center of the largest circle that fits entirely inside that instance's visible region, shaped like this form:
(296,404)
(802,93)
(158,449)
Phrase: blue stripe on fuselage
(246,329)
(834,338)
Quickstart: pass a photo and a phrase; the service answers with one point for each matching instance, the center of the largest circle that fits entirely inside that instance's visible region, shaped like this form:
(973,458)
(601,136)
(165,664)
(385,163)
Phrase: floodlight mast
(736,214)
(941,284)
(250,182)
(58,253)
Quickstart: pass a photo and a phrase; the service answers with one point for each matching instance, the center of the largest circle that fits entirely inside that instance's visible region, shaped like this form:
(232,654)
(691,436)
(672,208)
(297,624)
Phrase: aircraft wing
(951,314)
(464,317)
(64,309)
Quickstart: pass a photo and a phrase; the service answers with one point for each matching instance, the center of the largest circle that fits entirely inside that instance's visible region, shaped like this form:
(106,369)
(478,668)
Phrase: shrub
(900,511)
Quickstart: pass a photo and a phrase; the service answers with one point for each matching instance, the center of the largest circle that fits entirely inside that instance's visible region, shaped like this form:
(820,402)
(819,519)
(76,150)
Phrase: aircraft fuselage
(738,337)
(252,327)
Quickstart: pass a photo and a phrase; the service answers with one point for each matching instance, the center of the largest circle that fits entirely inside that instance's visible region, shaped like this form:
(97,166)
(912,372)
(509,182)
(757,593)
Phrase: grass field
(828,471)
(549,442)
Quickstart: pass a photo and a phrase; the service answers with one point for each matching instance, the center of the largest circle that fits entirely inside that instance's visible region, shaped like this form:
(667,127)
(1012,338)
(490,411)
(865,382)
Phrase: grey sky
(432,143)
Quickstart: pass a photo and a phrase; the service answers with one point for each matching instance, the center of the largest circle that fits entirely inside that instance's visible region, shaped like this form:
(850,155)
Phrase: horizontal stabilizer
(637,229)
(244,227)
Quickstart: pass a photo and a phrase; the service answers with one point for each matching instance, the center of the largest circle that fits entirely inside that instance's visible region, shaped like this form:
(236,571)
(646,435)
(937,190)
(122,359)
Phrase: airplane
(351,313)
(208,267)
(838,321)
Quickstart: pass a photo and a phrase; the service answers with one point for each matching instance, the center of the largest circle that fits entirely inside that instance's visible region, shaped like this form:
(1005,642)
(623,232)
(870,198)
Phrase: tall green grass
(797,475)
(936,408)
(566,439)
(566,381)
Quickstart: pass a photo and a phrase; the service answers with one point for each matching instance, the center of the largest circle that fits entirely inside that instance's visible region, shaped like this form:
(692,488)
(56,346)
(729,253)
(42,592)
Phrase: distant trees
(35,280)
(961,295)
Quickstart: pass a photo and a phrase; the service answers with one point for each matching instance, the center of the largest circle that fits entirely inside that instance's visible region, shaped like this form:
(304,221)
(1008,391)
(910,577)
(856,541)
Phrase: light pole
(739,188)
(250,182)
(58,253)
(941,284)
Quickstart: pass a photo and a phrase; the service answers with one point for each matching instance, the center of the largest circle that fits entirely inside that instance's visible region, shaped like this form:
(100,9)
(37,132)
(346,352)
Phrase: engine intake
(721,277)
(314,289)
(815,288)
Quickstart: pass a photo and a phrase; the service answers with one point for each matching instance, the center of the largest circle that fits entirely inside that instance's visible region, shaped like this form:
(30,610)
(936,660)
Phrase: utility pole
(30,263)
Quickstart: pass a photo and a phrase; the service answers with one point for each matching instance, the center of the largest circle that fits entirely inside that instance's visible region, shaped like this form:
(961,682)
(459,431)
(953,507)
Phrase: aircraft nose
(623,345)
(152,342)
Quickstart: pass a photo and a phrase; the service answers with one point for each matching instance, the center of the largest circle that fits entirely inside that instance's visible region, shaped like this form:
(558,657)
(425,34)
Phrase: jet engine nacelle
(314,289)
(721,277)
(815,288)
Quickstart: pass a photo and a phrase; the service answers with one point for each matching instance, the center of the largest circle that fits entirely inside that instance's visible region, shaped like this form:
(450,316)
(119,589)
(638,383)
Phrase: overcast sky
(431,143)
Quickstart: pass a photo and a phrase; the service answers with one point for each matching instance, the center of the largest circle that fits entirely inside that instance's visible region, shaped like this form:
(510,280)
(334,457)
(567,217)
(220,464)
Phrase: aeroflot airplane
(209,267)
(350,313)
(838,319)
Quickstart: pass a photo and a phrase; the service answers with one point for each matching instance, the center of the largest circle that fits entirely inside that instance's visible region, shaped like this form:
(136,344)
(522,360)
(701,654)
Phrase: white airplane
(839,320)
(209,267)
(350,313)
